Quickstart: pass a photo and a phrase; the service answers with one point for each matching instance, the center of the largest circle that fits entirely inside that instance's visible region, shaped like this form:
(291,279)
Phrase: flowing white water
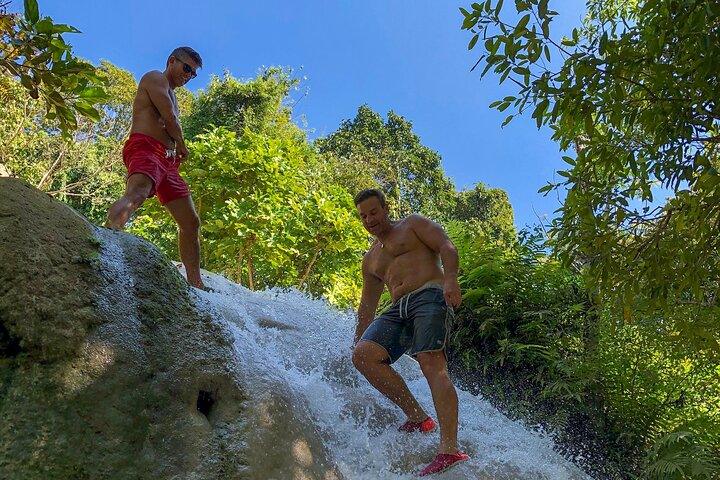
(286,340)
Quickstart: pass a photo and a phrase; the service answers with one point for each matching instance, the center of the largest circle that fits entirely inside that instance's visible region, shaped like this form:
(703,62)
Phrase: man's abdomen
(411,271)
(150,124)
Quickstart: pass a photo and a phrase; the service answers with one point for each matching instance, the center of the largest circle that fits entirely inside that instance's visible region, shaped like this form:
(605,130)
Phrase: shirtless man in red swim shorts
(153,152)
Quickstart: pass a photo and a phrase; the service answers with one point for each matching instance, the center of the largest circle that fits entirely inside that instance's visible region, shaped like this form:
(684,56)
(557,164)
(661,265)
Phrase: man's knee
(136,198)
(359,358)
(190,224)
(365,355)
(138,188)
(433,364)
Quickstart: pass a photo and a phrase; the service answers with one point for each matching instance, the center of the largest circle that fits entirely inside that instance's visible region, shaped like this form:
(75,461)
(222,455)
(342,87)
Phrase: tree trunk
(251,283)
(306,274)
(247,251)
(51,171)
(238,275)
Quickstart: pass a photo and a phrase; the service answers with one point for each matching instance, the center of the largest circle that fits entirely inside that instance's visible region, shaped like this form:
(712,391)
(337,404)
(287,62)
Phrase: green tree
(486,210)
(258,105)
(368,152)
(262,223)
(83,168)
(632,97)
(634,93)
(32,50)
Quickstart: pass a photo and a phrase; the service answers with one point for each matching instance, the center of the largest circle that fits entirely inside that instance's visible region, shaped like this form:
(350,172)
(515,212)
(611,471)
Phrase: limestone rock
(106,368)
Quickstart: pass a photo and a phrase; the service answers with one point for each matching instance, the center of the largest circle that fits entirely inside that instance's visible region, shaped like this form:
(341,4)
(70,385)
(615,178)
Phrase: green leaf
(545,26)
(44,26)
(87,110)
(32,12)
(62,28)
(603,43)
(27,81)
(473,41)
(540,111)
(469,19)
(546,188)
(93,94)
(522,24)
(507,120)
(543,8)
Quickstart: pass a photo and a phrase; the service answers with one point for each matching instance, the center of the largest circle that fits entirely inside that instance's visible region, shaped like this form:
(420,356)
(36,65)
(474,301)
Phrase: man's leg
(183,211)
(372,361)
(137,189)
(434,367)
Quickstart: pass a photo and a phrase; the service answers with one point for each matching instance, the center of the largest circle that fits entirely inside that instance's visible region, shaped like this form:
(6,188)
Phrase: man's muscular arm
(157,88)
(432,235)
(371,291)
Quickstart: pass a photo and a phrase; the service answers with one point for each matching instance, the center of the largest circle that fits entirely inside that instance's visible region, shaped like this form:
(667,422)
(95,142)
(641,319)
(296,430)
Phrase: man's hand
(451,290)
(181,151)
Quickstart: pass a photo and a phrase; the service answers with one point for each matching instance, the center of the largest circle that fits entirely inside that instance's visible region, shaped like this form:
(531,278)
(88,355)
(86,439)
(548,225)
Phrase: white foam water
(304,346)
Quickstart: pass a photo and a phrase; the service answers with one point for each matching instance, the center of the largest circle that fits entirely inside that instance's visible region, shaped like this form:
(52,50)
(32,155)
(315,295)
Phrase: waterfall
(317,417)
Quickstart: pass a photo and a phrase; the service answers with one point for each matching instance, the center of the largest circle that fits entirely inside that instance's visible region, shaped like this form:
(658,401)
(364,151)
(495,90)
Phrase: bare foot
(112,226)
(197,283)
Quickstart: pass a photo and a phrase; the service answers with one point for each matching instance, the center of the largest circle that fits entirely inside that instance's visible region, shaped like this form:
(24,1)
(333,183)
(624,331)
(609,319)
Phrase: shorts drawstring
(407,304)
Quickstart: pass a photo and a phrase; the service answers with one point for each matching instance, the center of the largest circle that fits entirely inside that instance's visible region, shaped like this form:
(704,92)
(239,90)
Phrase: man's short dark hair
(370,192)
(187,52)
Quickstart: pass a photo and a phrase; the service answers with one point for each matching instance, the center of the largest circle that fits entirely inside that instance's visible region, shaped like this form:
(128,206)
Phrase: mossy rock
(104,358)
(47,278)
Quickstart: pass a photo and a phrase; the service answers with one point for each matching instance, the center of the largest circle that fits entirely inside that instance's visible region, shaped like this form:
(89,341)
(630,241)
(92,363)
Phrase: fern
(678,456)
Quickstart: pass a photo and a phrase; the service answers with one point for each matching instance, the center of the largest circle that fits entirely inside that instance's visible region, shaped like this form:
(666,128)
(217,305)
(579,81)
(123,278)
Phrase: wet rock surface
(103,356)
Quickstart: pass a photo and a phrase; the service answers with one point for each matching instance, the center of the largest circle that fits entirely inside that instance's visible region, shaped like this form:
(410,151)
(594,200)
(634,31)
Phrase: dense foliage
(632,97)
(32,50)
(370,152)
(264,223)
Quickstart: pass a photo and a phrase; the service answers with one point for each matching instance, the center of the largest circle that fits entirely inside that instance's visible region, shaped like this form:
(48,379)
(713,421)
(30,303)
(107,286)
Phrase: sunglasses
(187,68)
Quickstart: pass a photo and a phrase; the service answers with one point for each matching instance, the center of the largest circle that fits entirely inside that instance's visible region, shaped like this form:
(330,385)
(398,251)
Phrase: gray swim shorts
(418,322)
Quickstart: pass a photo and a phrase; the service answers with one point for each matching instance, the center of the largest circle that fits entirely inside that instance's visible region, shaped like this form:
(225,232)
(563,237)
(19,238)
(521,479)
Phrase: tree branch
(715,139)
(51,171)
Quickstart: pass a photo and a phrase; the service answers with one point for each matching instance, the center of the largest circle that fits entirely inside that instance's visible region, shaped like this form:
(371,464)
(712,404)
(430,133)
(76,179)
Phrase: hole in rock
(9,346)
(205,402)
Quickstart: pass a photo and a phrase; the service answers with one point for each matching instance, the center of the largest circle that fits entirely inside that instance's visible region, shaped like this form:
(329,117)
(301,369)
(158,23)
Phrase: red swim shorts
(144,154)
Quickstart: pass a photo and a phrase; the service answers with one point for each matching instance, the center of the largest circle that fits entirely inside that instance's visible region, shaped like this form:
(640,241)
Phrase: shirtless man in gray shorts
(406,258)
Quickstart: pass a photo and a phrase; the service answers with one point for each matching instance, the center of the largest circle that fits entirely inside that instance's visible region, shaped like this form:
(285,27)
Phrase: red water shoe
(442,462)
(426,426)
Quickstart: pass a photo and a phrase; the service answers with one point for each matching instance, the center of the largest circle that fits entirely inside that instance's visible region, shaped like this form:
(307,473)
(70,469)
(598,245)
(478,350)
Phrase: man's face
(183,69)
(373,215)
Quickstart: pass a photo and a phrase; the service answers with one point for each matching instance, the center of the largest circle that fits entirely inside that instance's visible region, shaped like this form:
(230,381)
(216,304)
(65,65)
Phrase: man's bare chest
(392,249)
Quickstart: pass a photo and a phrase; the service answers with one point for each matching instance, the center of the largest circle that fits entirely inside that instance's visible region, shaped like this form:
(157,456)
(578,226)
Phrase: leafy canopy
(369,152)
(633,95)
(32,49)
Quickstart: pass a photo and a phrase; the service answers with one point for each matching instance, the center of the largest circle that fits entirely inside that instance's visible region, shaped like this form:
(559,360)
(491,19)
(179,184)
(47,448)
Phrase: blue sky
(406,56)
